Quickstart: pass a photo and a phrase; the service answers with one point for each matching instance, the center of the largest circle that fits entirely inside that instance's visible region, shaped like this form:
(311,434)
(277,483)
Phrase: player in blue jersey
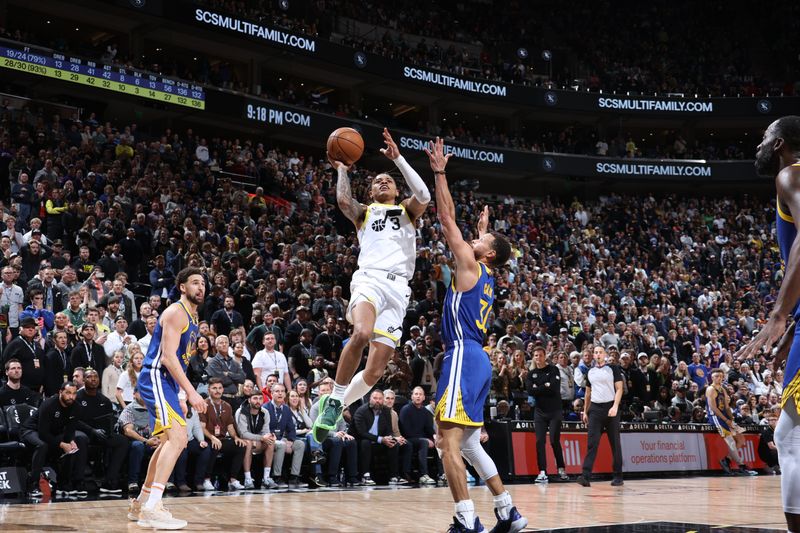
(466,371)
(779,155)
(163,375)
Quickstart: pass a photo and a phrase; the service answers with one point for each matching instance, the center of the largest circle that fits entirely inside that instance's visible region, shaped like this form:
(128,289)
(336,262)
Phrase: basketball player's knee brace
(475,455)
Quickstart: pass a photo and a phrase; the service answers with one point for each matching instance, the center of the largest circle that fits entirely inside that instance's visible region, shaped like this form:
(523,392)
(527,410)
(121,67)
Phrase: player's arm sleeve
(414,181)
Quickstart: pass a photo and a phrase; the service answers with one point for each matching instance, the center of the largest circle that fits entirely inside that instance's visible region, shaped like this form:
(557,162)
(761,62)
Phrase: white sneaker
(207,485)
(427,480)
(134,508)
(160,518)
(562,474)
(367,481)
(269,484)
(542,478)
(235,485)
(248,484)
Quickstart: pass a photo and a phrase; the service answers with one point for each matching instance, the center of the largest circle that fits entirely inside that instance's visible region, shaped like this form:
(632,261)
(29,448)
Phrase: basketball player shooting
(466,370)
(379,288)
(162,375)
(779,155)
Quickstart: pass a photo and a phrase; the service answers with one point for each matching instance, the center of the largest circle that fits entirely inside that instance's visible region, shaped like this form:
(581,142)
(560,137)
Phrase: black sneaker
(726,466)
(583,481)
(617,482)
(514,523)
(80,490)
(458,527)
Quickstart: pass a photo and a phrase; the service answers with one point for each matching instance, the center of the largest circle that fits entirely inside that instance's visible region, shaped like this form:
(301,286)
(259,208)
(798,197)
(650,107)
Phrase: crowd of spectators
(102,217)
(572,139)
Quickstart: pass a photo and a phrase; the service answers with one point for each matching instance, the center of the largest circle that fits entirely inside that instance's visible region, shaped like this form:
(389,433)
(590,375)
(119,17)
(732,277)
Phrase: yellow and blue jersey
(465,313)
(787,233)
(719,401)
(156,385)
(186,346)
(466,371)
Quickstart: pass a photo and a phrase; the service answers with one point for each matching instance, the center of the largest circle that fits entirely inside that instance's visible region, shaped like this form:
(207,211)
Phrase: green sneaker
(330,412)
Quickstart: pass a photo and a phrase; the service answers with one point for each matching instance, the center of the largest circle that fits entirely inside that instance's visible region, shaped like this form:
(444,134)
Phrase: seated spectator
(286,441)
(220,430)
(238,355)
(88,353)
(317,375)
(45,319)
(52,432)
(14,392)
(126,383)
(135,424)
(338,442)
(253,424)
(196,447)
(29,354)
(119,338)
(57,364)
(96,419)
(372,427)
(300,354)
(767,450)
(111,376)
(223,367)
(416,425)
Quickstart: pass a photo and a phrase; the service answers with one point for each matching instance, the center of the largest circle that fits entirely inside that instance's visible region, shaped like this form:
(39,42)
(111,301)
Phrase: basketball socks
(502,502)
(267,471)
(144,494)
(338,392)
(357,389)
(247,477)
(156,491)
(465,513)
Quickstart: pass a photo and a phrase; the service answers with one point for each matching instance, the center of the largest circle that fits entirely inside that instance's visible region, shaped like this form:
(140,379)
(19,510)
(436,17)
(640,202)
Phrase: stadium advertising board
(276,114)
(688,106)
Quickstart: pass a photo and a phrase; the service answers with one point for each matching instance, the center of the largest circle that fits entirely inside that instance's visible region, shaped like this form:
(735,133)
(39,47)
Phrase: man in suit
(57,362)
(372,425)
(281,424)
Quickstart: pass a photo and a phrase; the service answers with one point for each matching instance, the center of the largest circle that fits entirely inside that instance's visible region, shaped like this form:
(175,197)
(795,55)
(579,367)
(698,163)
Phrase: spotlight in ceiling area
(547,55)
(138,4)
(522,53)
(283,4)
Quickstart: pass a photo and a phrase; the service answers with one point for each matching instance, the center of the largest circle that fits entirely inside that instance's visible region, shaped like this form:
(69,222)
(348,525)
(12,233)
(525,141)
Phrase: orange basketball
(345,145)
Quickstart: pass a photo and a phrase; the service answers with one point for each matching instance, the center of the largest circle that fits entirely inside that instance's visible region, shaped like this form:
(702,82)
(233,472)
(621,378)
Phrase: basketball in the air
(345,145)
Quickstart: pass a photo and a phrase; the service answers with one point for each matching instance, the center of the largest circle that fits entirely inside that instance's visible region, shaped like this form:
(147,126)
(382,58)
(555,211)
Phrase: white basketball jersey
(388,241)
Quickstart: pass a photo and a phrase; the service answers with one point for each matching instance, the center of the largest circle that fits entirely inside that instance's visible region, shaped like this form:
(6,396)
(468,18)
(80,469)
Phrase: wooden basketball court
(724,503)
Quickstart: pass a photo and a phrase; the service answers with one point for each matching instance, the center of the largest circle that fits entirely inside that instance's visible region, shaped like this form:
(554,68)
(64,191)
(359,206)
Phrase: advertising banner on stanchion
(655,452)
(716,449)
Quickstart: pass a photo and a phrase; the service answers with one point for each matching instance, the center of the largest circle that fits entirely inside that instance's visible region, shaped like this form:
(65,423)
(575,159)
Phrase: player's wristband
(439,172)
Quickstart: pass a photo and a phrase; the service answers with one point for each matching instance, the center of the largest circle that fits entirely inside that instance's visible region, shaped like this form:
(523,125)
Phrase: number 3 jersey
(465,313)
(388,240)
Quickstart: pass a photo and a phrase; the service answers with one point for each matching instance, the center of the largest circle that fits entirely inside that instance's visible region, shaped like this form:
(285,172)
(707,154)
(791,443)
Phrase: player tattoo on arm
(351,208)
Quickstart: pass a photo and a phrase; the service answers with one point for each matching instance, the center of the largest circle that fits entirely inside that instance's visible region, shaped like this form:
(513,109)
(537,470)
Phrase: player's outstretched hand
(336,164)
(437,156)
(483,221)
(767,337)
(391,151)
(196,401)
